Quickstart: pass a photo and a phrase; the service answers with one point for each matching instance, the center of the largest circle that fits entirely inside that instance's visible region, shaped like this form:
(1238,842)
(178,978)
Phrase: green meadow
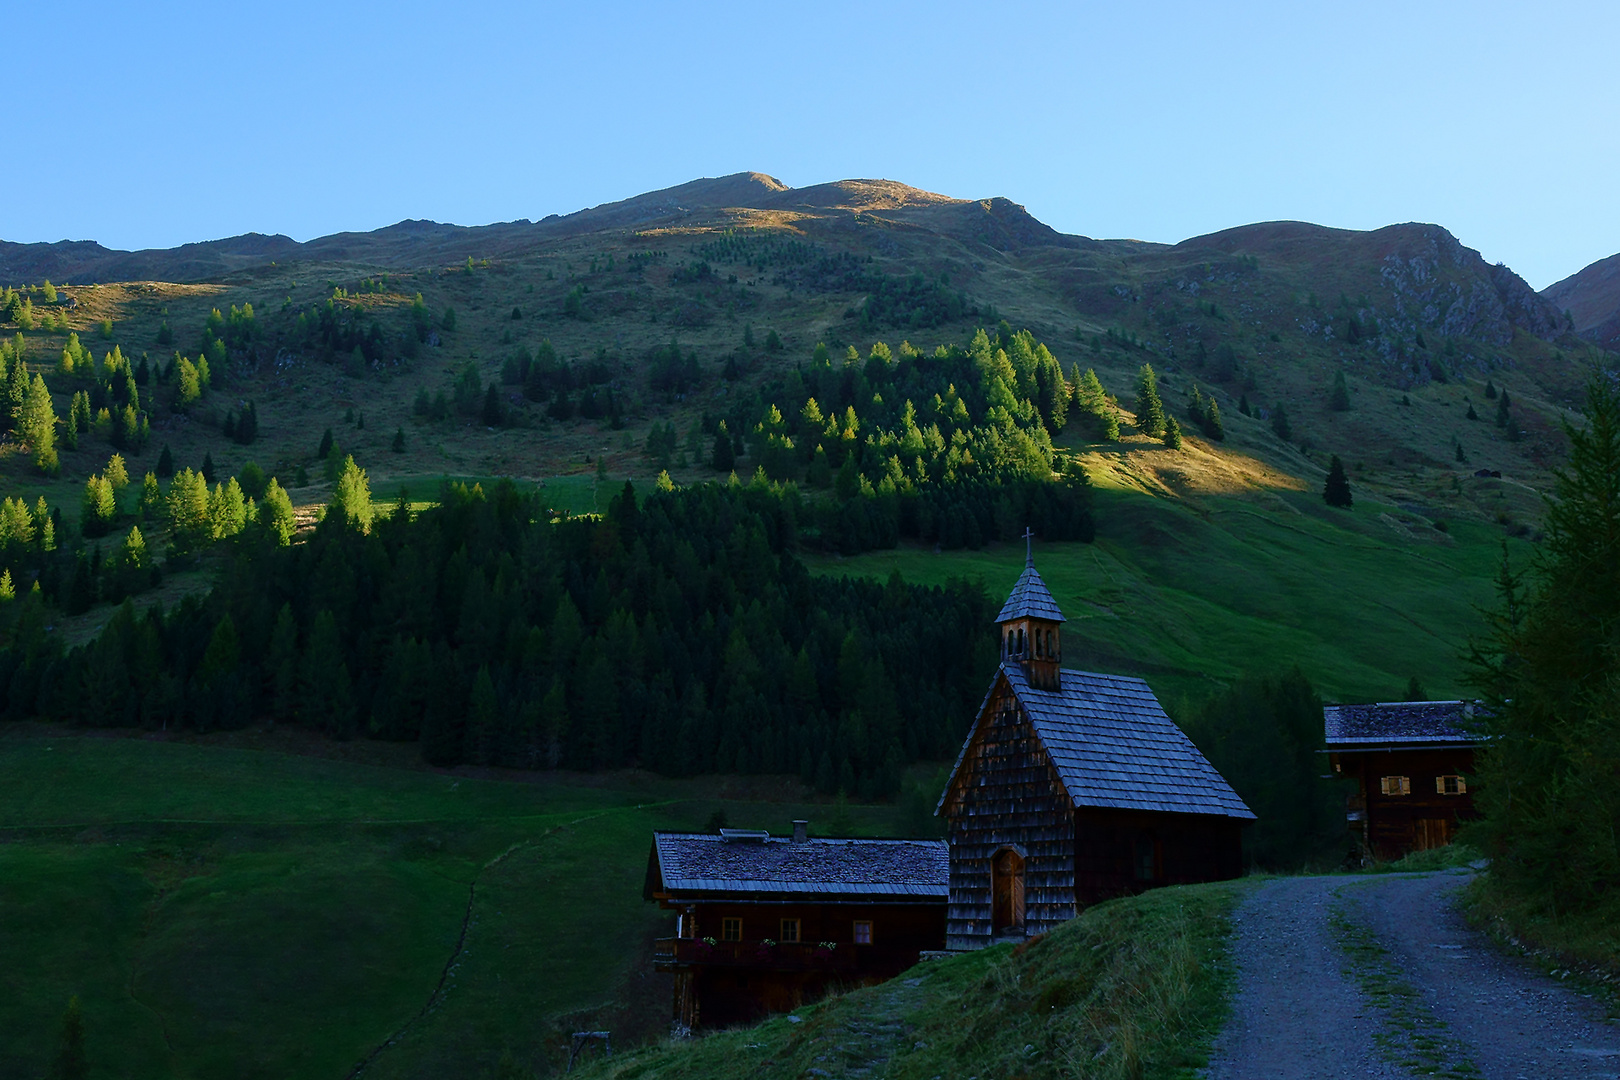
(1189,594)
(246,913)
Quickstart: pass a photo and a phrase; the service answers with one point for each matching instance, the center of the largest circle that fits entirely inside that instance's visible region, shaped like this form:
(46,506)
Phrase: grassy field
(1188,593)
(249,913)
(1133,988)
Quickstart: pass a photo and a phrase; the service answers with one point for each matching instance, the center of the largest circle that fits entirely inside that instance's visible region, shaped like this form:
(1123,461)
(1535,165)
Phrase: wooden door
(1432,833)
(1007,891)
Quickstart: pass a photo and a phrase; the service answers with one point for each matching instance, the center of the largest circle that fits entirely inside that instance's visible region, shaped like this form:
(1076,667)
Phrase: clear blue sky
(156,124)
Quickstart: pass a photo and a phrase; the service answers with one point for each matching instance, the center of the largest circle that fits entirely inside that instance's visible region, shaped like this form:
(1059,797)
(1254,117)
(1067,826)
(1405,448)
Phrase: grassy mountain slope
(1592,299)
(241,911)
(1265,315)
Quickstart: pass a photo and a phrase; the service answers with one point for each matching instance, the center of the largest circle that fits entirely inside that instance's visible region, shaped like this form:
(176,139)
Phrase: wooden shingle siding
(1009,795)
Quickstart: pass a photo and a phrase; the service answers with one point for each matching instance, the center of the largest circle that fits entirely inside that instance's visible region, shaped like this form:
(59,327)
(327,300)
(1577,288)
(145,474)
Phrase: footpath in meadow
(1381,978)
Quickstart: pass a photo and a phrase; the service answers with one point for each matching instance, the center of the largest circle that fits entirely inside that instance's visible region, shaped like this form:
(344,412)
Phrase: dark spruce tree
(1149,409)
(1336,492)
(1548,673)
(1339,399)
(1279,422)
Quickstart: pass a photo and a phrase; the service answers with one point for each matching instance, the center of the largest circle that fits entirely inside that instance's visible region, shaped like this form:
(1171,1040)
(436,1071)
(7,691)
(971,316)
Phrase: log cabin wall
(1119,852)
(1393,824)
(722,981)
(1008,794)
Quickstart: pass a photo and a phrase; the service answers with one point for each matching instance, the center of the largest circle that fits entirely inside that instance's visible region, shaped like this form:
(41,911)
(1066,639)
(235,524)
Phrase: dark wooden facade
(719,983)
(1411,761)
(1072,788)
(860,912)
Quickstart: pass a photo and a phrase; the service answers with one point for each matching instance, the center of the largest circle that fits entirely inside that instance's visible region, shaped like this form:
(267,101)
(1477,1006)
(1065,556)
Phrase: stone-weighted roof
(710,863)
(1114,747)
(1399,723)
(1030,598)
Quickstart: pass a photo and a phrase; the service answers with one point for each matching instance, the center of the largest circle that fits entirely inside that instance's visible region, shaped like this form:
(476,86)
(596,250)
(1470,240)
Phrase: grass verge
(1582,948)
(1133,988)
(1412,1036)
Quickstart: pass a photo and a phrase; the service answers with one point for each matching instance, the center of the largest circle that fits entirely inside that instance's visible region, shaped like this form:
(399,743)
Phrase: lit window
(790,930)
(863,931)
(730,929)
(1395,785)
(1450,785)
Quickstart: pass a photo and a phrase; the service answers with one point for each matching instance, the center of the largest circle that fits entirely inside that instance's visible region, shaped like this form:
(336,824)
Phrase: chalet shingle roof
(1030,598)
(707,863)
(1399,722)
(1114,747)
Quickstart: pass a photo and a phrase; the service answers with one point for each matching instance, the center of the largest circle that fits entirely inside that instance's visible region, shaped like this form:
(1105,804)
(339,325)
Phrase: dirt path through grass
(1380,977)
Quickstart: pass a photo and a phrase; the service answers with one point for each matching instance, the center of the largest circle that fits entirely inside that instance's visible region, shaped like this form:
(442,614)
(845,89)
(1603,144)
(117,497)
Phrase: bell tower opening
(1031,626)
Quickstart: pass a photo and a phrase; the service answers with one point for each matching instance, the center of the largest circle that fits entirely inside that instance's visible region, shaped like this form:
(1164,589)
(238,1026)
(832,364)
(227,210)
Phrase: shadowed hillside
(1592,298)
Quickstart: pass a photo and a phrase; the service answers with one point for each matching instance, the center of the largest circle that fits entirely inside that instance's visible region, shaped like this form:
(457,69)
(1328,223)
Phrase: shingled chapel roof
(760,863)
(1114,747)
(1030,598)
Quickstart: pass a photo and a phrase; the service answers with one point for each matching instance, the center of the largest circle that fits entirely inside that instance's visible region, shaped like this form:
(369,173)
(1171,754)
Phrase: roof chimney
(801,831)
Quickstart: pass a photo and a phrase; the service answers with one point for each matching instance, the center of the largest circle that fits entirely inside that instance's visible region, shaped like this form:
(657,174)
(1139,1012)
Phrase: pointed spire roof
(1030,598)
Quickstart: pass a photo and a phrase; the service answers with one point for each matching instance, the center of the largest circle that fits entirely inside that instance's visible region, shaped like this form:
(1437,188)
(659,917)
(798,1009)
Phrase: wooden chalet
(1073,787)
(765,923)
(1410,761)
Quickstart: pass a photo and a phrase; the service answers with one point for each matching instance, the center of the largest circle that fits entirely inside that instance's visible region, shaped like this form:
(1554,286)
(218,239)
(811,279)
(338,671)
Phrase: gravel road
(1301,1011)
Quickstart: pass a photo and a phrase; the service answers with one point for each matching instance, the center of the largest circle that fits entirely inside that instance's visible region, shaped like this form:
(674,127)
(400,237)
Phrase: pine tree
(1339,400)
(133,554)
(1172,433)
(281,665)
(1471,414)
(1503,417)
(1279,422)
(352,496)
(1490,390)
(1149,409)
(1213,428)
(1336,492)
(165,462)
(494,415)
(1549,673)
(326,445)
(70,1062)
(725,455)
(398,444)
(37,425)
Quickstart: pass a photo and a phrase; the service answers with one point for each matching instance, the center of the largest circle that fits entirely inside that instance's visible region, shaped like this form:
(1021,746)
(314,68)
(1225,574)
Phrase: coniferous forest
(678,632)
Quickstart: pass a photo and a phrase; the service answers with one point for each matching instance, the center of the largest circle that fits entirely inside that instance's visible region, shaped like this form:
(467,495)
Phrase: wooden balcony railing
(782,956)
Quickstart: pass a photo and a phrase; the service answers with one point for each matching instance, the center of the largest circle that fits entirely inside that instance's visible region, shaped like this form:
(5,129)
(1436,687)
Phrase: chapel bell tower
(1030,627)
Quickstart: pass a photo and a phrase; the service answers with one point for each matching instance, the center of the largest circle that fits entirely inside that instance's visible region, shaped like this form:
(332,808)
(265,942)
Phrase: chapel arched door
(1007,891)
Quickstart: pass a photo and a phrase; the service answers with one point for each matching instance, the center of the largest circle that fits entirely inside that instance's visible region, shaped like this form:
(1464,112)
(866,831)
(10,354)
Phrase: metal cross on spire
(1029,550)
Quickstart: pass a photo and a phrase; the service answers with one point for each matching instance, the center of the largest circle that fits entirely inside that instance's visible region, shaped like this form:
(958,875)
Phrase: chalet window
(730,929)
(790,930)
(1450,785)
(863,931)
(1395,785)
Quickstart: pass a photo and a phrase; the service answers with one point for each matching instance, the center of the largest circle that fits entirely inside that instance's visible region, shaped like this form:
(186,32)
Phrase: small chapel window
(730,929)
(863,931)
(790,930)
